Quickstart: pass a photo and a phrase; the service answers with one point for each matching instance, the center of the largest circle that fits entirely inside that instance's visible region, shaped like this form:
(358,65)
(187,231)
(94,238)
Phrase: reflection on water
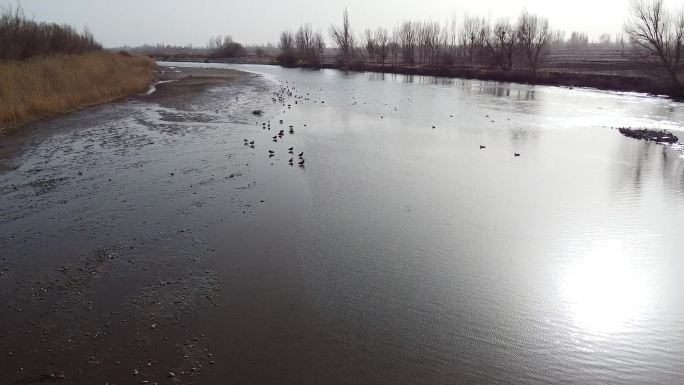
(606,291)
(471,265)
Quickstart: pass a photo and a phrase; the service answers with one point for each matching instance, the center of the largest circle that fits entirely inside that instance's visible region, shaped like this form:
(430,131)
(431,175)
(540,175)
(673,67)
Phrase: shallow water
(402,252)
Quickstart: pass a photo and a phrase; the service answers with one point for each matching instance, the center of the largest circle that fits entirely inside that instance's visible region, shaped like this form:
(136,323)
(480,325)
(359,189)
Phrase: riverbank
(602,81)
(601,71)
(44,87)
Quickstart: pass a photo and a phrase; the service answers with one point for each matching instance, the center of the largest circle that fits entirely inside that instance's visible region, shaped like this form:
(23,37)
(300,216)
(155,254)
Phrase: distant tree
(319,46)
(224,47)
(287,49)
(660,32)
(474,34)
(23,38)
(502,44)
(407,40)
(605,39)
(449,50)
(382,42)
(343,37)
(428,42)
(369,45)
(304,42)
(394,45)
(578,40)
(533,37)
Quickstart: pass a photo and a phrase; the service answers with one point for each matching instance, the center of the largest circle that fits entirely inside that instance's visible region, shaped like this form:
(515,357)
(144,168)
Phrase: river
(412,247)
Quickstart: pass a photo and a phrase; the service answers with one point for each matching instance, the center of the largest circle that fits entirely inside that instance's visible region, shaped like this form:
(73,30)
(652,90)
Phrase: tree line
(473,43)
(22,38)
(653,32)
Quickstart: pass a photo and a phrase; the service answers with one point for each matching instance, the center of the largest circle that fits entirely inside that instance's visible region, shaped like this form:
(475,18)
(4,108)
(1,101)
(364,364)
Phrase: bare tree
(502,44)
(287,41)
(474,35)
(394,45)
(605,39)
(369,45)
(660,32)
(382,45)
(344,38)
(304,41)
(578,40)
(407,39)
(287,48)
(319,46)
(533,36)
(449,42)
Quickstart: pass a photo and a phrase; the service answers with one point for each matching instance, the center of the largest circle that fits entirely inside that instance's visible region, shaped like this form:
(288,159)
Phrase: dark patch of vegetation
(224,47)
(22,38)
(658,136)
(305,47)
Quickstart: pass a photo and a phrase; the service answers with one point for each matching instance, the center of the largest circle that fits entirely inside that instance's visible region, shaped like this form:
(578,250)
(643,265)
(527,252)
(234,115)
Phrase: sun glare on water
(605,291)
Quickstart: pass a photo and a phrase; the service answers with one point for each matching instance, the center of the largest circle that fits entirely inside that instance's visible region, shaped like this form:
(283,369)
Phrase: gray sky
(135,22)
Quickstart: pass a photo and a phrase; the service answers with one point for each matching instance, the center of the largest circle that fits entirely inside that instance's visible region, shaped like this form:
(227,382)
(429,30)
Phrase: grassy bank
(42,87)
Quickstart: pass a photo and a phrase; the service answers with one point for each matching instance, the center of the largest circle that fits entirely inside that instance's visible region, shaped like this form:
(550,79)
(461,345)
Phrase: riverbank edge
(619,83)
(48,87)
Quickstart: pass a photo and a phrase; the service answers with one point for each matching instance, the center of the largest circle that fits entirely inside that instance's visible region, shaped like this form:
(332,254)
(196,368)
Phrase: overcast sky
(134,22)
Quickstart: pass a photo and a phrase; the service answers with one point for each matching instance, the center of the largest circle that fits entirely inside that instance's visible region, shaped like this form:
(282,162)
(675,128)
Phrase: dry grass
(47,86)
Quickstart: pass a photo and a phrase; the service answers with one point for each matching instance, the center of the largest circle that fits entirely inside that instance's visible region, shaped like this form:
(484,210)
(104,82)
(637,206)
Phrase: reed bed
(43,87)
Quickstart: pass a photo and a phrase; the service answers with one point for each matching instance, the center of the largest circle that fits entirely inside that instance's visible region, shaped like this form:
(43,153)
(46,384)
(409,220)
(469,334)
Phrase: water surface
(403,252)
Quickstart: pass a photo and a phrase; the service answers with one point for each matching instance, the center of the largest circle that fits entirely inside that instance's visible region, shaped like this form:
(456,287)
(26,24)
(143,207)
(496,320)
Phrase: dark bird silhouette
(301,154)
(516,154)
(290,149)
(271,152)
(301,162)
(482,147)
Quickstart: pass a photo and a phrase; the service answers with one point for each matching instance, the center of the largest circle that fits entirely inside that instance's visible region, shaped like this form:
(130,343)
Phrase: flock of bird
(281,96)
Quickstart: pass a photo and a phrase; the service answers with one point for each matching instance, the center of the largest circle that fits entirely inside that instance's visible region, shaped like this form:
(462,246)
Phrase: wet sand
(105,277)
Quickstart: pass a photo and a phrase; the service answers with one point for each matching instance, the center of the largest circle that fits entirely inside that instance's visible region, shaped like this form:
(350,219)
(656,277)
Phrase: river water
(402,252)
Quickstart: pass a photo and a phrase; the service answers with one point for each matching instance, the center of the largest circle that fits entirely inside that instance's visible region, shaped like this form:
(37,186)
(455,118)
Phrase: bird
(271,152)
(482,147)
(516,154)
(290,161)
(290,149)
(301,154)
(301,162)
(251,143)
